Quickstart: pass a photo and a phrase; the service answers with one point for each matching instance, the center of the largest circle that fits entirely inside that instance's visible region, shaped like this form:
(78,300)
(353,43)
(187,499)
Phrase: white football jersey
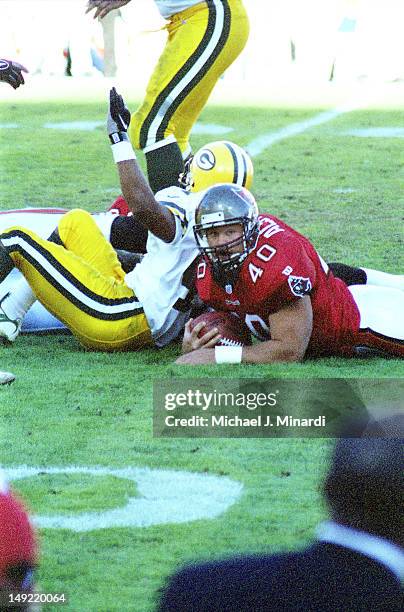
(168,8)
(158,280)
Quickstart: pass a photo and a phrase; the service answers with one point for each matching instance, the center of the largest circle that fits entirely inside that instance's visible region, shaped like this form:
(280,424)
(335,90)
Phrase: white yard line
(163,496)
(263,142)
(89,126)
(376,132)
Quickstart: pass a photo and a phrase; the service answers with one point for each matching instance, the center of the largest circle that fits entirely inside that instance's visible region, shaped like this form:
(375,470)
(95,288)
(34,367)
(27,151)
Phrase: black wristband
(118,137)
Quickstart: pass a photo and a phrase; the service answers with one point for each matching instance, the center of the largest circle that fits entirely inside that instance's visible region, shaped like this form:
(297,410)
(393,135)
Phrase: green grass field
(69,407)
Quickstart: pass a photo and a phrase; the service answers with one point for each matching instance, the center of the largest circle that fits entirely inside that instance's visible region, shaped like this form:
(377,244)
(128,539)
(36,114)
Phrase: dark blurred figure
(355,566)
(11,73)
(18,549)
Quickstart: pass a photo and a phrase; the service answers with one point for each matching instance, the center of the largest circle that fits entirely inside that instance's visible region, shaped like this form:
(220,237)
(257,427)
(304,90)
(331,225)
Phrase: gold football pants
(202,43)
(81,283)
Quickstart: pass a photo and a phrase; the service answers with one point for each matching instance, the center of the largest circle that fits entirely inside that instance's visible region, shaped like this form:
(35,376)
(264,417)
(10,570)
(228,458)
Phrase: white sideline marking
(259,144)
(9,125)
(84,126)
(165,496)
(377,132)
(89,126)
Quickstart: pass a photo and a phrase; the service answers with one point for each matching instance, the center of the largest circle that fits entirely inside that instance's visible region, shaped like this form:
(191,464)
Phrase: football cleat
(217,162)
(9,328)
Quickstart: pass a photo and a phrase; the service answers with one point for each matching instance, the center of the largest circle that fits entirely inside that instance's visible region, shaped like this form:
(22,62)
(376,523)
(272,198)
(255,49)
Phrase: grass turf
(72,407)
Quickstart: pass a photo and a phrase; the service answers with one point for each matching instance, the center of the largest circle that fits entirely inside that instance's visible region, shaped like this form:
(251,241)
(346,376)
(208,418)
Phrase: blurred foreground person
(357,563)
(18,549)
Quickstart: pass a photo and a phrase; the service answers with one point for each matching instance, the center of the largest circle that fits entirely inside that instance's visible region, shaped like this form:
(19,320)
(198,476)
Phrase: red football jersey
(17,537)
(282,268)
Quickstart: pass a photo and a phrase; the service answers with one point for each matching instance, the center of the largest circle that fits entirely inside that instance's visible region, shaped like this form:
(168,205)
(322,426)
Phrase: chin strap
(226,279)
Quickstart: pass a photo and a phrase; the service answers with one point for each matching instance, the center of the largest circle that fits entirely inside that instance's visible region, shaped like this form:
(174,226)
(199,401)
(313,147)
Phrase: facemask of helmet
(224,205)
(217,162)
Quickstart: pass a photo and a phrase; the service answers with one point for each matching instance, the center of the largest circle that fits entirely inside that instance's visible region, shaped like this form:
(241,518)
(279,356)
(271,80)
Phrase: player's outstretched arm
(103,7)
(135,189)
(291,329)
(11,73)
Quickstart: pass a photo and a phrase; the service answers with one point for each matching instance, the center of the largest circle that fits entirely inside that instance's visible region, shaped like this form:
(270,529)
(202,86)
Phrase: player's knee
(77,213)
(77,216)
(75,220)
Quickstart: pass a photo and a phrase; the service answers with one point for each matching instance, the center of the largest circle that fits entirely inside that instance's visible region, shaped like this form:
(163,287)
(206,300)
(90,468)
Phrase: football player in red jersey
(268,273)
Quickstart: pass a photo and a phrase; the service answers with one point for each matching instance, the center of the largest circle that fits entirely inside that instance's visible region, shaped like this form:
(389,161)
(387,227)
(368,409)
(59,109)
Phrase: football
(233,330)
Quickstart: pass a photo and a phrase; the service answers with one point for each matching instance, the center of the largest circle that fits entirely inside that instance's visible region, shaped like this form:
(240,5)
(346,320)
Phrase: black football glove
(103,7)
(11,73)
(118,118)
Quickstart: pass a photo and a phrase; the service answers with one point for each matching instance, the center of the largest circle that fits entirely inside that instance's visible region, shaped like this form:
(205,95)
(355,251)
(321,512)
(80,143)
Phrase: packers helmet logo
(299,286)
(4,64)
(205,159)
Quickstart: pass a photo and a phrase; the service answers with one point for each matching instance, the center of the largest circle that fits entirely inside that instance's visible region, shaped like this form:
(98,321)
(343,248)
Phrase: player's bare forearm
(266,352)
(291,329)
(137,193)
(271,351)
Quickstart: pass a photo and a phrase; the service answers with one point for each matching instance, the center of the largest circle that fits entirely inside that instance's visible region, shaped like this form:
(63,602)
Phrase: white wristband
(228,354)
(122,151)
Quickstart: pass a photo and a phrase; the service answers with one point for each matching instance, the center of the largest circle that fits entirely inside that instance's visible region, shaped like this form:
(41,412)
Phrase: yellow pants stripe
(203,41)
(66,283)
(82,284)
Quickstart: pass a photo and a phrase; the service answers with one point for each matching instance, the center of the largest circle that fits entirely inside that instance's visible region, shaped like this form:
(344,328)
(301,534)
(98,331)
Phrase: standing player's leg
(203,41)
(84,289)
(381,319)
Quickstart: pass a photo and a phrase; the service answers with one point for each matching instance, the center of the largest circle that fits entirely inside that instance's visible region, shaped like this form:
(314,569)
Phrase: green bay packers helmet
(221,205)
(218,162)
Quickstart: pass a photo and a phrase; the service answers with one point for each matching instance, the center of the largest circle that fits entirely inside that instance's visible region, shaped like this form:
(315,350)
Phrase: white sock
(384,279)
(20,300)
